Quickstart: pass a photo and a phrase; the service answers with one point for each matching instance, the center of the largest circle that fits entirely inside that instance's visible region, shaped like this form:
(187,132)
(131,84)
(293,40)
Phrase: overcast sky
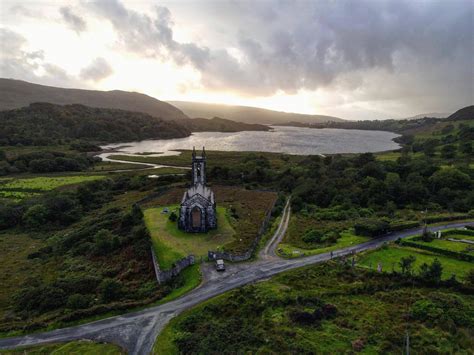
(353,59)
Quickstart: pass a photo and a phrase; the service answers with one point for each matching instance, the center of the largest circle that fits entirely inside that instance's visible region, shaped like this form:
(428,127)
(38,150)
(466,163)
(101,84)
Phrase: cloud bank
(388,53)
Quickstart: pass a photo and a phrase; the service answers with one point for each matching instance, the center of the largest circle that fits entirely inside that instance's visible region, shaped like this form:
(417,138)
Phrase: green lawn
(82,347)
(390,256)
(460,236)
(44,183)
(448,245)
(171,244)
(347,239)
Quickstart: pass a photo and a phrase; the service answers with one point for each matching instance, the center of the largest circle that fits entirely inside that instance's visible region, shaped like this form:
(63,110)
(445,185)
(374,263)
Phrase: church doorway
(196,217)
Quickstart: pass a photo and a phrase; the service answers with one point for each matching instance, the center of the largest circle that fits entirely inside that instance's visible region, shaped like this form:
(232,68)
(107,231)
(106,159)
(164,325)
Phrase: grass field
(347,239)
(278,316)
(448,245)
(82,347)
(390,256)
(460,236)
(19,189)
(171,244)
(110,166)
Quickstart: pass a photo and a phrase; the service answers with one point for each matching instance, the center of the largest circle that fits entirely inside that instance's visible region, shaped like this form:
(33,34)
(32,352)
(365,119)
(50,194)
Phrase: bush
(110,290)
(77,301)
(173,217)
(312,236)
(371,227)
(402,226)
(36,216)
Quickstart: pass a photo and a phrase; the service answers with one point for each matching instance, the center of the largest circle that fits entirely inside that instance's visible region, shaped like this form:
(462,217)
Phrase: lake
(282,139)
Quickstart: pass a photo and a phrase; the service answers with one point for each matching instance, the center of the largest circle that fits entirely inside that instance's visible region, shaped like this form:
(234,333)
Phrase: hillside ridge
(17,93)
(247,114)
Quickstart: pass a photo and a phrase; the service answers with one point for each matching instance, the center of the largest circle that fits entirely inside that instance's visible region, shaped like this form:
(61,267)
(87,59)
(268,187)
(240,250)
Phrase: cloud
(99,69)
(149,36)
(406,48)
(18,63)
(74,22)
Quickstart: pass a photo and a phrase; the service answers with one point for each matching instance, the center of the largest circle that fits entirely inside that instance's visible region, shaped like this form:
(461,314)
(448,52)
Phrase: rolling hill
(247,114)
(17,93)
(48,124)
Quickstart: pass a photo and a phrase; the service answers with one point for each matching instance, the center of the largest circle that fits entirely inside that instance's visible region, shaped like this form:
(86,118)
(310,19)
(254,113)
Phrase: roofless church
(198,206)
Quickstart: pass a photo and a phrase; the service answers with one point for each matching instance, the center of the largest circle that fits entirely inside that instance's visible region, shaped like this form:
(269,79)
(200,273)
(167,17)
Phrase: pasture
(19,189)
(389,258)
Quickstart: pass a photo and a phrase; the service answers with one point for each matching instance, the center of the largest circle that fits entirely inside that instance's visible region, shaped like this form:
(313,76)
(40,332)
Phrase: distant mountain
(247,114)
(466,113)
(17,93)
(217,124)
(423,115)
(49,124)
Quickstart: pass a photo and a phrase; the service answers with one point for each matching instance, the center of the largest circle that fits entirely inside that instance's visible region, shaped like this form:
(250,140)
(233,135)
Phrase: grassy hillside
(17,93)
(246,114)
(45,123)
(327,309)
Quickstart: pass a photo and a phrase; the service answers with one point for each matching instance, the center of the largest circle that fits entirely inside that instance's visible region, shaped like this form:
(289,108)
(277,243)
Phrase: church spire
(203,152)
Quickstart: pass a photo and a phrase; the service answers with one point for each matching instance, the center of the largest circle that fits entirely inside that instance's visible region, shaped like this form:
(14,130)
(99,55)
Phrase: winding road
(137,331)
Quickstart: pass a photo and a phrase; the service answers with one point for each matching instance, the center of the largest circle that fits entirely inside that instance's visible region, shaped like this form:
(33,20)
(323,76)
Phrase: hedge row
(459,231)
(447,218)
(402,226)
(450,253)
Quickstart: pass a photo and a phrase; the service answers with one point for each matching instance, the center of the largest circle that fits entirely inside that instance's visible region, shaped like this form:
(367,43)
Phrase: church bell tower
(199,167)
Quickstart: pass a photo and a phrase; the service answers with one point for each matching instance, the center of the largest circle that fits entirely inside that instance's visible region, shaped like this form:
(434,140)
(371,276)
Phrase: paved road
(137,331)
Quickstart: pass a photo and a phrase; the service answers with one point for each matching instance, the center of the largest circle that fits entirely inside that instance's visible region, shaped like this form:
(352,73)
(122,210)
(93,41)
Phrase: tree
(406,264)
(432,273)
(371,227)
(436,270)
(465,148)
(36,216)
(429,147)
(312,236)
(451,178)
(448,151)
(110,290)
(470,277)
(173,217)
(105,242)
(77,301)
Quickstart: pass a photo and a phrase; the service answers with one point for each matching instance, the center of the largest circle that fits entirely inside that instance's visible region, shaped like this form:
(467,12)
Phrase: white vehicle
(220,266)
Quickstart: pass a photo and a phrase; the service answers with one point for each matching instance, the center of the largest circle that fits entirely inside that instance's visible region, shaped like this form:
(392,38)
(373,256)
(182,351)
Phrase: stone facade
(198,207)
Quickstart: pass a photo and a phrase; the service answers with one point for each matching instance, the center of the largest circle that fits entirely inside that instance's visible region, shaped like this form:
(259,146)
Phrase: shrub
(371,227)
(312,236)
(36,216)
(77,301)
(173,217)
(110,290)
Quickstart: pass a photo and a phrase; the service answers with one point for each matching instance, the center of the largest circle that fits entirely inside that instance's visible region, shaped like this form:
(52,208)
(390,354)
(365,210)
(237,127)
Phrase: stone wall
(166,275)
